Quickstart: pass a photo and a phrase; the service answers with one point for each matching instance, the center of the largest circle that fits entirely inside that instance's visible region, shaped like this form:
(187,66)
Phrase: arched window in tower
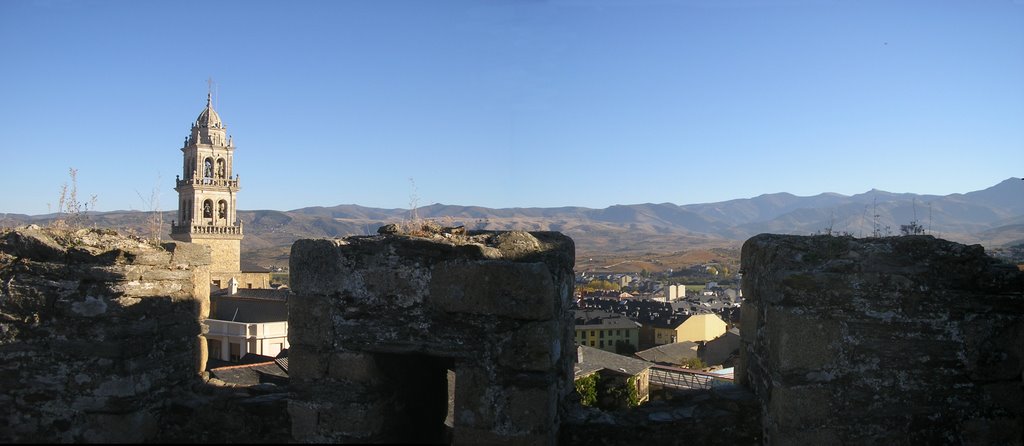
(208,209)
(208,168)
(222,209)
(221,168)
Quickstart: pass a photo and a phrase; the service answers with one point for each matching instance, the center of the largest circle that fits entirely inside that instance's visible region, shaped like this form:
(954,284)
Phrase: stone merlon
(897,340)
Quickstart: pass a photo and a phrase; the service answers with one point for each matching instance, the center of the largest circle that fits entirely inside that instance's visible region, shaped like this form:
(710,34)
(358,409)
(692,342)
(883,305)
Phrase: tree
(586,387)
(599,284)
(693,363)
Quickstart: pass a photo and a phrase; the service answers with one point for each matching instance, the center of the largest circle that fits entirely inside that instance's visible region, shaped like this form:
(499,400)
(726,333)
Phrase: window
(208,168)
(592,334)
(220,168)
(236,351)
(602,334)
(602,344)
(222,209)
(208,209)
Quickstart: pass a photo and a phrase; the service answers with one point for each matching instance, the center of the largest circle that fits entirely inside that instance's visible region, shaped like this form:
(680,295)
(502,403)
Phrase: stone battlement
(897,340)
(467,337)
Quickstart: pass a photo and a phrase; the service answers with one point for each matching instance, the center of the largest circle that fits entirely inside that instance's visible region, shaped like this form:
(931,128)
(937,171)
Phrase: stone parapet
(898,340)
(98,332)
(464,338)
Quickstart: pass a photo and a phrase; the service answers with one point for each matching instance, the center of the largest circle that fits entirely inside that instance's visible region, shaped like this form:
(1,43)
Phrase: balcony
(206,229)
(214,182)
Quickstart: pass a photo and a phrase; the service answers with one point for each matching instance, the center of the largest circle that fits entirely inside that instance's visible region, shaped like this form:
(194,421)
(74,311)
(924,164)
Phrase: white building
(675,292)
(230,341)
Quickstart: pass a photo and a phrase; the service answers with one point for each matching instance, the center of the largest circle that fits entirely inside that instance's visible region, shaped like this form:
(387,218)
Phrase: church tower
(207,196)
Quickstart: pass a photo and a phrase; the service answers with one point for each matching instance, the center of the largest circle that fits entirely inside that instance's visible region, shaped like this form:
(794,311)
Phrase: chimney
(233,286)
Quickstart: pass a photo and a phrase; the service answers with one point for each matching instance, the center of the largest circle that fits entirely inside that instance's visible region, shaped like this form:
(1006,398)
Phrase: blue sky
(512,103)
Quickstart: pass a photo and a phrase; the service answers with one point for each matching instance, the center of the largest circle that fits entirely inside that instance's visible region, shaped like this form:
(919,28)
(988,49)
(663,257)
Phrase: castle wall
(397,338)
(899,340)
(902,340)
(98,333)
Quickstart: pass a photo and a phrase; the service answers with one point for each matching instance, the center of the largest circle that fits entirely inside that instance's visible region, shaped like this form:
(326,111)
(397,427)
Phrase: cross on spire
(209,90)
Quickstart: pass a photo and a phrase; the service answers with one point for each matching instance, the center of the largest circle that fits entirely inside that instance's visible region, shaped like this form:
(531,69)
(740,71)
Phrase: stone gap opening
(421,397)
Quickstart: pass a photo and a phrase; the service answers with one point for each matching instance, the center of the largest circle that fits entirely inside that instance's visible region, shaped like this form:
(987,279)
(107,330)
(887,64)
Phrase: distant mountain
(993,217)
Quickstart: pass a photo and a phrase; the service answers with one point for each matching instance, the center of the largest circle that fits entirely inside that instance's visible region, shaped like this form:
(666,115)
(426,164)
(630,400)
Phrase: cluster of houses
(664,344)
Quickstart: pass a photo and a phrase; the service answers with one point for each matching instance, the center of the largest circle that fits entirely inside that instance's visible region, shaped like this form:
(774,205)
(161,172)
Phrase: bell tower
(207,195)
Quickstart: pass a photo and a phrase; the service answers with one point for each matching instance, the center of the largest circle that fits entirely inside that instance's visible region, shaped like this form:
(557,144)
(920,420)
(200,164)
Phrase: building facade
(676,328)
(230,341)
(606,331)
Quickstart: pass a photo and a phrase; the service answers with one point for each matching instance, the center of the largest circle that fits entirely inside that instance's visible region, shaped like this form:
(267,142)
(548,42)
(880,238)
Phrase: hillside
(640,236)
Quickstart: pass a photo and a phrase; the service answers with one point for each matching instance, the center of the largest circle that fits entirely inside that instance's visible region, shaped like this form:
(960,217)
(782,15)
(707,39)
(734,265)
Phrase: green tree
(586,387)
(600,284)
(693,363)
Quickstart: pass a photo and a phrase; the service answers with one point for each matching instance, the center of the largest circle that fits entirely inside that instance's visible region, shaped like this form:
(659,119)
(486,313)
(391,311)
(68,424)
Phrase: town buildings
(660,323)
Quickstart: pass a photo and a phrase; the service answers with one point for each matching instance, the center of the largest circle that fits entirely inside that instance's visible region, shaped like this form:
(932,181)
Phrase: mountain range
(993,217)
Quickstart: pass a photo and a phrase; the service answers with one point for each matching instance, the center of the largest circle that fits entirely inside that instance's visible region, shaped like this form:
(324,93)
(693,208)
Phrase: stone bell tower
(207,196)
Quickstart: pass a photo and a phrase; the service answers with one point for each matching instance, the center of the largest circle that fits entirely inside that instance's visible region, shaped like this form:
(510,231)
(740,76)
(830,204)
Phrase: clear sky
(512,103)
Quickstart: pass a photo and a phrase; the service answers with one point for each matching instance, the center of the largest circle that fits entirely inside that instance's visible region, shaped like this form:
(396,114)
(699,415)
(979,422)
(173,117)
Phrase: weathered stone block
(883,340)
(477,398)
(480,436)
(533,347)
(801,437)
(352,422)
(355,367)
(749,317)
(188,255)
(305,420)
(31,242)
(311,320)
(314,363)
(532,410)
(153,258)
(315,267)
(394,314)
(800,406)
(797,341)
(498,288)
(100,344)
(157,274)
